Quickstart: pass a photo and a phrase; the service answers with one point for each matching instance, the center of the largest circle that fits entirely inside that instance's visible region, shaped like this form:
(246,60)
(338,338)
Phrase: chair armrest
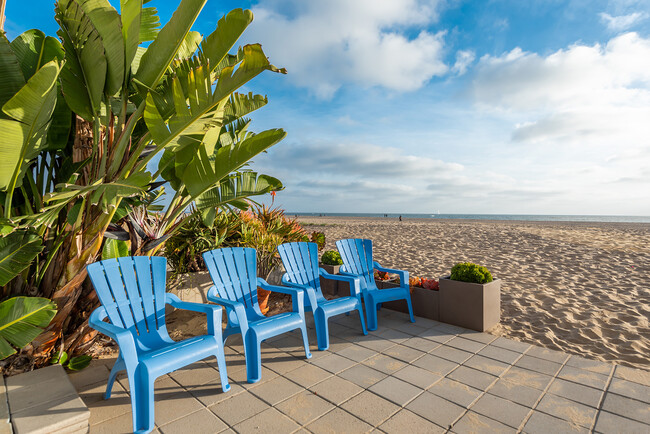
(403,274)
(297,294)
(214,313)
(351,279)
(122,336)
(238,307)
(311,292)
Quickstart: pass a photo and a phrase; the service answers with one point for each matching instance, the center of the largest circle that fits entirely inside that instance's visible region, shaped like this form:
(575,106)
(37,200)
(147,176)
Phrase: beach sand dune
(581,288)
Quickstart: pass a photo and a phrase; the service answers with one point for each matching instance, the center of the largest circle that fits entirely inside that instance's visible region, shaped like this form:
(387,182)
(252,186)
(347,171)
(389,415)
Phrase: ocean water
(520,217)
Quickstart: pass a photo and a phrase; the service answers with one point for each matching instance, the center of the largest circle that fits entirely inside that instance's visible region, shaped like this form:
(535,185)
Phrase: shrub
(331,257)
(319,239)
(468,272)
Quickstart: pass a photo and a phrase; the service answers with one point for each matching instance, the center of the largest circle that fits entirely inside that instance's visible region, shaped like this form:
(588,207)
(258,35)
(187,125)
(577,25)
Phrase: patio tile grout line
(602,398)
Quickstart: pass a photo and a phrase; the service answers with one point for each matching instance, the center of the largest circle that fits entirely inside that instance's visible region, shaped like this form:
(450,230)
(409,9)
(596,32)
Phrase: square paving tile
(396,390)
(408,422)
(635,375)
(611,423)
(370,408)
(484,338)
(435,364)
(417,376)
(334,363)
(456,392)
(202,421)
(169,407)
(516,392)
(503,410)
(421,344)
(376,343)
(196,374)
(546,354)
(336,390)
(475,423)
(472,377)
(436,409)
(410,328)
(269,420)
(576,392)
(486,364)
(500,354)
(571,411)
(357,353)
(384,363)
(238,408)
(527,377)
(209,395)
(538,365)
(590,365)
(627,407)
(276,390)
(363,375)
(338,421)
(308,375)
(437,334)
(583,377)
(404,353)
(451,354)
(509,344)
(542,423)
(630,389)
(104,409)
(121,424)
(465,344)
(394,335)
(305,407)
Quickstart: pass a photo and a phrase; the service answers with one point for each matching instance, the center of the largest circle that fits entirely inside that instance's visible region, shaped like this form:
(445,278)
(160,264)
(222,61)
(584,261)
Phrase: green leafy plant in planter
(469,272)
(21,320)
(331,257)
(72,364)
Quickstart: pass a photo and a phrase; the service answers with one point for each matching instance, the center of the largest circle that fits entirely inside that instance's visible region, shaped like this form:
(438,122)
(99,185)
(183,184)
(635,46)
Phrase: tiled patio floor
(425,377)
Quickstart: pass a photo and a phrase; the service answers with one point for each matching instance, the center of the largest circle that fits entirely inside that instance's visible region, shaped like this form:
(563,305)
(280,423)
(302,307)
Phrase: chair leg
(408,302)
(253,354)
(322,332)
(117,367)
(223,373)
(363,321)
(305,340)
(144,411)
(371,314)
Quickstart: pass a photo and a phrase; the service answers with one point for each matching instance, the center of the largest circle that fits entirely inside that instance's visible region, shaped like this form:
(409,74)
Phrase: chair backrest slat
(132,290)
(357,257)
(300,261)
(234,273)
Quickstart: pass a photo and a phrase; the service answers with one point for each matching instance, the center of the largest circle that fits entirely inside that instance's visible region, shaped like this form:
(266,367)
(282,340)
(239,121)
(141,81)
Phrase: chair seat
(339,305)
(276,324)
(173,356)
(391,294)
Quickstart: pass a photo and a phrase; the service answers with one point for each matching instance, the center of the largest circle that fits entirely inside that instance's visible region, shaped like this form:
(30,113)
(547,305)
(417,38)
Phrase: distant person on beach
(400,218)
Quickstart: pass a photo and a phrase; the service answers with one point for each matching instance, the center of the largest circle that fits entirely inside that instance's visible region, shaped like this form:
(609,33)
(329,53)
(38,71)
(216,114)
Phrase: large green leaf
(114,249)
(83,76)
(241,104)
(21,320)
(237,187)
(189,46)
(17,251)
(23,135)
(107,22)
(12,77)
(33,50)
(229,28)
(149,24)
(163,49)
(131,15)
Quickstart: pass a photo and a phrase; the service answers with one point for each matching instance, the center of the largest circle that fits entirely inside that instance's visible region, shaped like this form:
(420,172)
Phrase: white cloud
(464,58)
(324,45)
(622,22)
(599,92)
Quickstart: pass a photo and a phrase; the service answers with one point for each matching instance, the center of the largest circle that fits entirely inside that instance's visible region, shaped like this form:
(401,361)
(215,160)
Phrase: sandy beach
(581,288)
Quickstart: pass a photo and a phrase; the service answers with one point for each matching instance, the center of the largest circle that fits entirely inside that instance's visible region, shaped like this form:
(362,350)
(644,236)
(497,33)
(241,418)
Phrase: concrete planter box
(471,305)
(426,302)
(191,287)
(330,287)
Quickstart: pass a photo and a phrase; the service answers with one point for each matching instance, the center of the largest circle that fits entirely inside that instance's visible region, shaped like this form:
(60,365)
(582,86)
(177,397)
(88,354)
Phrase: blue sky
(418,106)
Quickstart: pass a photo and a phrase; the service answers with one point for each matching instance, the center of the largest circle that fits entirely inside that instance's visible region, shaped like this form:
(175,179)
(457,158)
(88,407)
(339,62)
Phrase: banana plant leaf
(17,251)
(115,249)
(21,320)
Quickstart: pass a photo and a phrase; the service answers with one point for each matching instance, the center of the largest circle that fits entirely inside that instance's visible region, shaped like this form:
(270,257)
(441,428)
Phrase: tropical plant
(331,257)
(319,239)
(82,121)
(21,320)
(72,364)
(469,272)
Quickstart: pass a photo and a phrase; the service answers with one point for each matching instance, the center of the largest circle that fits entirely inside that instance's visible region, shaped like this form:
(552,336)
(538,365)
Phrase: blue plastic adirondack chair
(301,264)
(234,274)
(132,293)
(357,261)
